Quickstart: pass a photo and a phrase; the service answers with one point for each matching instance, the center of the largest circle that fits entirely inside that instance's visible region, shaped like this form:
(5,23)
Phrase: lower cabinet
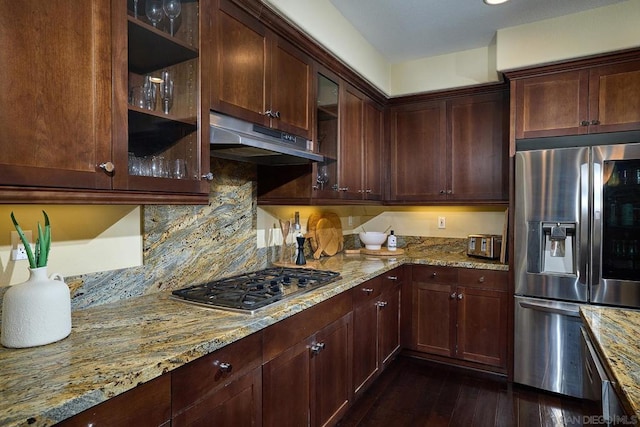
(460,314)
(223,388)
(148,404)
(307,373)
(376,326)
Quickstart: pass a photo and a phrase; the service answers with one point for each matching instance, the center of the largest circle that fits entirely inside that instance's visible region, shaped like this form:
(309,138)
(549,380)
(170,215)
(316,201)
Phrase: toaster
(484,245)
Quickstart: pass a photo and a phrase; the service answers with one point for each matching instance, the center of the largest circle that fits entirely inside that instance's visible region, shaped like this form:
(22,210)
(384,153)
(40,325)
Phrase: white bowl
(373,240)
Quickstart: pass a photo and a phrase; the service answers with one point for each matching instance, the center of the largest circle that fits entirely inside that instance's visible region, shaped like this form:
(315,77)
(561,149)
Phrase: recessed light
(495,2)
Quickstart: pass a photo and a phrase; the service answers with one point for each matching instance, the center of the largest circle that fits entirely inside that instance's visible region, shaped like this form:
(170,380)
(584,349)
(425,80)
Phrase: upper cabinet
(73,116)
(56,96)
(361,137)
(452,149)
(157,129)
(604,98)
(257,75)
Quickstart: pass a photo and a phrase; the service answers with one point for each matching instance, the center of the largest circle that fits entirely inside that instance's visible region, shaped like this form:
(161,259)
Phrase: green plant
(43,243)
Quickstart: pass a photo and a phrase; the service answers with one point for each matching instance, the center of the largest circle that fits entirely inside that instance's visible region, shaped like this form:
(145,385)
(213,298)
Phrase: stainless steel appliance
(598,387)
(577,241)
(484,245)
(235,139)
(249,292)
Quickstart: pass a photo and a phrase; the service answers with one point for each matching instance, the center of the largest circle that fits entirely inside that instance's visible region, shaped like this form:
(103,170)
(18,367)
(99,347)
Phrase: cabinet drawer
(197,379)
(290,331)
(489,279)
(434,274)
(367,291)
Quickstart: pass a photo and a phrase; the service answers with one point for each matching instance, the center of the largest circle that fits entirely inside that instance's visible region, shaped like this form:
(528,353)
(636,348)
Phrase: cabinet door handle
(343,189)
(108,167)
(208,177)
(443,192)
(368,291)
(481,279)
(317,348)
(368,190)
(272,114)
(459,296)
(392,277)
(434,274)
(224,367)
(449,191)
(453,296)
(595,122)
(584,123)
(381,304)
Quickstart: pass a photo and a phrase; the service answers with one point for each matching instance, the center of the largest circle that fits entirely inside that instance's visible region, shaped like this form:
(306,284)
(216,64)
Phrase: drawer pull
(453,296)
(460,296)
(381,304)
(368,291)
(317,348)
(434,274)
(481,279)
(392,277)
(224,367)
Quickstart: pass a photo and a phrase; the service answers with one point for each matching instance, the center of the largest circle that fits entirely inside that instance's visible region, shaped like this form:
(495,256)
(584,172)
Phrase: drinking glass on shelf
(137,97)
(154,11)
(159,167)
(166,92)
(179,169)
(172,9)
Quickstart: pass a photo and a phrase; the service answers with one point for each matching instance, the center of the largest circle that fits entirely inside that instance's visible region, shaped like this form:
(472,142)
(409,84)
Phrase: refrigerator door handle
(583,238)
(550,309)
(596,223)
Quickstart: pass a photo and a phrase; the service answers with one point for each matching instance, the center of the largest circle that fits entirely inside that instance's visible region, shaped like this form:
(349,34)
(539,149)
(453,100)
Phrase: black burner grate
(251,291)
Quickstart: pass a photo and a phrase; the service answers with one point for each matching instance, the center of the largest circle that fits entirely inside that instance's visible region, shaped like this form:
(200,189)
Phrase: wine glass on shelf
(323,176)
(166,92)
(153,10)
(172,9)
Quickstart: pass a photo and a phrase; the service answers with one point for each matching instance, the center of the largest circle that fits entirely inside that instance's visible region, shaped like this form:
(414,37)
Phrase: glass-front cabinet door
(161,125)
(327,134)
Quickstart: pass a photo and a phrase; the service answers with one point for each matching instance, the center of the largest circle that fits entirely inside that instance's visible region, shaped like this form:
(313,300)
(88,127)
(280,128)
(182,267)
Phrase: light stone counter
(615,333)
(114,347)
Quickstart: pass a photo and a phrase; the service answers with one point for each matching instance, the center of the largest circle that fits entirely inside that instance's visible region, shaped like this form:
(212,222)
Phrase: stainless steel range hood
(235,139)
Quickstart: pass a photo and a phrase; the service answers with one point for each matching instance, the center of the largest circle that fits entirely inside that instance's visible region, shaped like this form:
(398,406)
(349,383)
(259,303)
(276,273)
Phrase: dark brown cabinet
(56,102)
(450,150)
(257,75)
(376,326)
(72,141)
(148,404)
(307,370)
(594,99)
(460,314)
(223,388)
(361,136)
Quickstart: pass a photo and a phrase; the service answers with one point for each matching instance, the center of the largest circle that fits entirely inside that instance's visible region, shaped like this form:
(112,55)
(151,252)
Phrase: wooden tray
(379,252)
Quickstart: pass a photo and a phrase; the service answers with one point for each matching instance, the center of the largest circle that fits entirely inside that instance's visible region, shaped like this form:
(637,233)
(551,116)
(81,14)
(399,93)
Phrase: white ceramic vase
(36,312)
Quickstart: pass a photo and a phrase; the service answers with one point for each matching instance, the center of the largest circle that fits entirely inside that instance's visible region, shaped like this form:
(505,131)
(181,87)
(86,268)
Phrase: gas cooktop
(250,292)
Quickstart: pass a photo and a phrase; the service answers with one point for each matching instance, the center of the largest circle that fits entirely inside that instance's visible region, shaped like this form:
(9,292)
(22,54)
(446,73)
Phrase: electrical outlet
(442,222)
(19,253)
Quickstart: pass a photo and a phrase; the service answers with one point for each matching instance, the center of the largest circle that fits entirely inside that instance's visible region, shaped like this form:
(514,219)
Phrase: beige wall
(85,239)
(405,221)
(587,33)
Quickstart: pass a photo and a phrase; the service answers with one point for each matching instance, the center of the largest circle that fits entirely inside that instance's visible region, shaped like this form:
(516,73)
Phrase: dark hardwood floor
(413,392)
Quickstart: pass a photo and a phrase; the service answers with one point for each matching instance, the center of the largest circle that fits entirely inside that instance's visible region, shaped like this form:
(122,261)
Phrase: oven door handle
(550,309)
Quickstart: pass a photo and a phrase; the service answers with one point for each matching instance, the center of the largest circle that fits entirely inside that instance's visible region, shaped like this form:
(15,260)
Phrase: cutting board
(379,252)
(324,231)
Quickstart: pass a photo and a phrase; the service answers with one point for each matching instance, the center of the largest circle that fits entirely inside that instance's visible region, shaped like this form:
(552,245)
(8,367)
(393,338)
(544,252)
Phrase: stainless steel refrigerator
(576,241)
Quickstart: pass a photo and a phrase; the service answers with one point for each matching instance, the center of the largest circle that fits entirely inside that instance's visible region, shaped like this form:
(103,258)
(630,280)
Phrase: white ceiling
(403,30)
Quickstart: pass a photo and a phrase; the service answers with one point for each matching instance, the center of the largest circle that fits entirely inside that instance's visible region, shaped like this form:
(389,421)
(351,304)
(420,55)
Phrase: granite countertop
(44,385)
(615,332)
